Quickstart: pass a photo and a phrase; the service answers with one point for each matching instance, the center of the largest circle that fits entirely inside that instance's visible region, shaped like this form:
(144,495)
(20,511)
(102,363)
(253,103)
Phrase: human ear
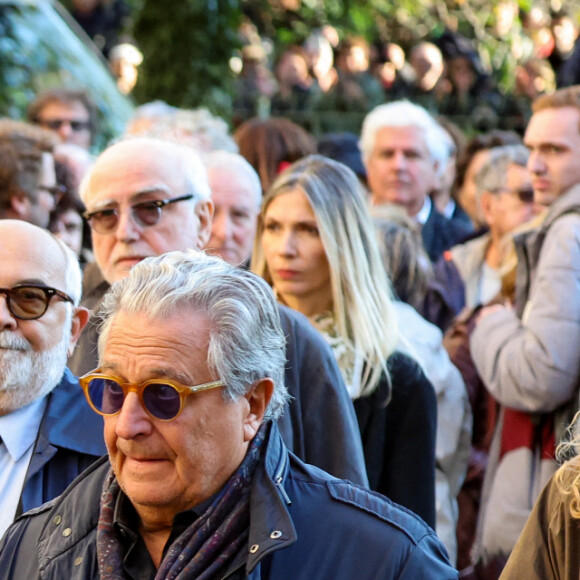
(258,399)
(80,319)
(485,206)
(20,205)
(204,212)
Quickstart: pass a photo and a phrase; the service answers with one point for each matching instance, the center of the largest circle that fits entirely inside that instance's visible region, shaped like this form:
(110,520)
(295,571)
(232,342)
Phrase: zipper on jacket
(279,477)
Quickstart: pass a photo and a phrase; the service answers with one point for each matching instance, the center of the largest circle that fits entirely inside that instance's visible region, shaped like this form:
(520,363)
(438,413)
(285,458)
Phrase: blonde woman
(316,246)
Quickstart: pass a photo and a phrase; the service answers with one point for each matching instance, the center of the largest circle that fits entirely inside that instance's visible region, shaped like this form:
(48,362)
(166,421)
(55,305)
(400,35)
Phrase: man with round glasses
(198,482)
(47,437)
(145,197)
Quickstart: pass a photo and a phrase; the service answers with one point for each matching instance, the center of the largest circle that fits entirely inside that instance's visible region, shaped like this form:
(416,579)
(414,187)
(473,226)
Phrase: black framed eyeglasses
(162,399)
(55,124)
(525,195)
(31,301)
(144,214)
(56,191)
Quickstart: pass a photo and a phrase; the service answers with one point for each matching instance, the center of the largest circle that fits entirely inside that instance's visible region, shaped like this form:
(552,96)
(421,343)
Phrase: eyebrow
(135,197)
(26,281)
(154,373)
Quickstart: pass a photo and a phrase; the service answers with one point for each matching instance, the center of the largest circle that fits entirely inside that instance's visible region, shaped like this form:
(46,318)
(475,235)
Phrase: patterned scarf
(203,550)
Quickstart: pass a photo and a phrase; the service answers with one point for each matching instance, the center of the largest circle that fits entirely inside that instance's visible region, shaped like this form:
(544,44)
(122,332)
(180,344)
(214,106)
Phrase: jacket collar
(567,203)
(69,422)
(271,526)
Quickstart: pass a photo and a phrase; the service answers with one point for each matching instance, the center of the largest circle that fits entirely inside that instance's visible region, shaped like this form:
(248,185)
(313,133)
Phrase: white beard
(26,375)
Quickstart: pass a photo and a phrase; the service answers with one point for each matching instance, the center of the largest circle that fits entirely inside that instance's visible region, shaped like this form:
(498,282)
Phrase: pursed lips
(132,259)
(286,273)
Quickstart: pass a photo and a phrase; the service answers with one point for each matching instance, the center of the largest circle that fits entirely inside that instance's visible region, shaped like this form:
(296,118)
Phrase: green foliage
(187,45)
(404,22)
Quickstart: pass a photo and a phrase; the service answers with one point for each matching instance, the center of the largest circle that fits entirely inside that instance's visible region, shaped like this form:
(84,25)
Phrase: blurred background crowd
(443,89)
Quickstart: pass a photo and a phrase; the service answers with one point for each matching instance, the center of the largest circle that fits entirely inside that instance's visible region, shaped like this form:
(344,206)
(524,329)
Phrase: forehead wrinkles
(128,172)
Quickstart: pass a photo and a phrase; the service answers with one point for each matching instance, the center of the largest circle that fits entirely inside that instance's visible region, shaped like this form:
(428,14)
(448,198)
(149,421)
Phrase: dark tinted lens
(105,220)
(79,126)
(526,195)
(54,124)
(106,395)
(146,213)
(28,302)
(161,400)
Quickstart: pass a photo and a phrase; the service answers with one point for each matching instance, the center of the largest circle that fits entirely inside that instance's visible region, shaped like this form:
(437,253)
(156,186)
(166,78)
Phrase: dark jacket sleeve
(18,547)
(399,439)
(319,424)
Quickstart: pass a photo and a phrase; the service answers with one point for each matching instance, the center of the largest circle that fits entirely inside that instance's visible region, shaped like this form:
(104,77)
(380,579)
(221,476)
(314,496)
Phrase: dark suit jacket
(319,424)
(440,234)
(70,439)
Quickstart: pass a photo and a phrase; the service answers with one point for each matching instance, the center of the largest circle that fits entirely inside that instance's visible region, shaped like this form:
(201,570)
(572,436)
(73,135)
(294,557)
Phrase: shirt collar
(424,212)
(449,209)
(19,428)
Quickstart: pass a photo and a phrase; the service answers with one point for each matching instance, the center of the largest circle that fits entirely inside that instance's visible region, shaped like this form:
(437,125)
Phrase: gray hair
(493,174)
(197,128)
(73,275)
(235,162)
(246,342)
(404,114)
(194,172)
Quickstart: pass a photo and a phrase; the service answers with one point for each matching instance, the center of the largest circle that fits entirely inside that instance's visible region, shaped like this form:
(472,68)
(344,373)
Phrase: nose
(7,320)
(536,163)
(287,243)
(64,131)
(399,160)
(221,227)
(127,230)
(132,420)
(51,203)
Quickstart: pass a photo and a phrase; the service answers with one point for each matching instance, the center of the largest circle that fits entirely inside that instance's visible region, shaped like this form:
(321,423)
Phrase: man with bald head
(236,192)
(146,197)
(48,435)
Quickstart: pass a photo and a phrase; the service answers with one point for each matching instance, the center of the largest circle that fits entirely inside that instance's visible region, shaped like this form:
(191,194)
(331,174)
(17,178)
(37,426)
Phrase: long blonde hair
(361,291)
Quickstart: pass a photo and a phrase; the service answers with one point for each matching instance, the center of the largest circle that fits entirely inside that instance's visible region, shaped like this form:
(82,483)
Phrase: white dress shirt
(18,431)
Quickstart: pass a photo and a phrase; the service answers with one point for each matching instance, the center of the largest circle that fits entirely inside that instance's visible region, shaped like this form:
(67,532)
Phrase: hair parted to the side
(246,342)
(566,97)
(492,175)
(405,114)
(65,96)
(361,291)
(22,146)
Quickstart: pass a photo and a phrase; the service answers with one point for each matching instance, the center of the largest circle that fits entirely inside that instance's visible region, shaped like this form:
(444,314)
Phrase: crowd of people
(448,73)
(342,356)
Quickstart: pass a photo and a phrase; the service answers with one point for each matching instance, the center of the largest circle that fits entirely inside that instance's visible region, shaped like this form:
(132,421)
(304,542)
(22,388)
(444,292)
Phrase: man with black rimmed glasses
(28,187)
(47,435)
(145,197)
